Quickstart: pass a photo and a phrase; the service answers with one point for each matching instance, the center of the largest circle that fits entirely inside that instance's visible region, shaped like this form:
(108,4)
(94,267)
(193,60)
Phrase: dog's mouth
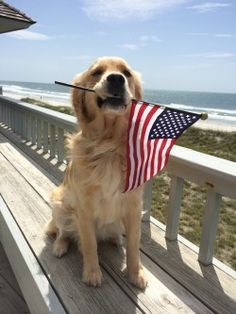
(115,103)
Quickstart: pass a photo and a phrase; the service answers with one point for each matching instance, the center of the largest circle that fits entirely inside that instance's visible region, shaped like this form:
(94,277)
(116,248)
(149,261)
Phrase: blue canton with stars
(171,123)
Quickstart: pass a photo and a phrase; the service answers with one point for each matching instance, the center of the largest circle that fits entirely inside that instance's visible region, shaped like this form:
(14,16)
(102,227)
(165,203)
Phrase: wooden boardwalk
(178,283)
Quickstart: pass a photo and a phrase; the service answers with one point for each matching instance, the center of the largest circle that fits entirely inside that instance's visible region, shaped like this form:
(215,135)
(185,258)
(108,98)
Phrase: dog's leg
(132,221)
(51,228)
(60,245)
(92,274)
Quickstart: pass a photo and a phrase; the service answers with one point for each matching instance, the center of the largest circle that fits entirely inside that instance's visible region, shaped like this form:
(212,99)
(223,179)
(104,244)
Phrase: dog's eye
(127,73)
(97,72)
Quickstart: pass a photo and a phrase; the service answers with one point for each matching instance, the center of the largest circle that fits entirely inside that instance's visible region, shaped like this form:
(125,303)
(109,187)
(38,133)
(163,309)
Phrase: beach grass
(60,108)
(217,143)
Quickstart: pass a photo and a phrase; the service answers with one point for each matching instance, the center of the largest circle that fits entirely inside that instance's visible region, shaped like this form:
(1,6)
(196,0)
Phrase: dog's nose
(116,80)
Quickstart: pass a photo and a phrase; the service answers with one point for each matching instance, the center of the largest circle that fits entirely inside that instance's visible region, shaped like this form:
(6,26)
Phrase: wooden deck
(178,283)
(11,298)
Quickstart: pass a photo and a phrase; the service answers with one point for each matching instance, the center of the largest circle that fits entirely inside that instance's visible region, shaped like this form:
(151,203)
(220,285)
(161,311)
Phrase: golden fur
(89,204)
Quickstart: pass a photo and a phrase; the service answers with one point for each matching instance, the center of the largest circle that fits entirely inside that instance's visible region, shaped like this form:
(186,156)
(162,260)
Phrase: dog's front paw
(138,279)
(92,277)
(60,247)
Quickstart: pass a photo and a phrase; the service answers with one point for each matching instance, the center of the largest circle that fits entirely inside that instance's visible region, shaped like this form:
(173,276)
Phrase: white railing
(217,175)
(46,129)
(42,127)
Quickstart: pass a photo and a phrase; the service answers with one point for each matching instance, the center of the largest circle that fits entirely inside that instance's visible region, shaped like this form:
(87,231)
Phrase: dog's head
(114,83)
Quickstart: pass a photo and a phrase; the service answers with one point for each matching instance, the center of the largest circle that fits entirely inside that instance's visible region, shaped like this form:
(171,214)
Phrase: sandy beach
(50,101)
(209,124)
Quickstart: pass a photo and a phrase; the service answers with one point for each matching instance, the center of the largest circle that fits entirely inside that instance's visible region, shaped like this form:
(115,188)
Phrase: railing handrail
(207,170)
(207,162)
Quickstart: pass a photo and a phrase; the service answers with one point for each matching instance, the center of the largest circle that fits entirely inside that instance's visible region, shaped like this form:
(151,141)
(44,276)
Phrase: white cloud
(28,35)
(148,39)
(143,41)
(223,35)
(209,6)
(125,9)
(212,55)
(129,46)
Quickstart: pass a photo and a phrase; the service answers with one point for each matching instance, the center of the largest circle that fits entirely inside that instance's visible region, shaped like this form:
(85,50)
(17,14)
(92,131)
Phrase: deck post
(45,136)
(173,210)
(39,133)
(60,145)
(209,228)
(28,127)
(52,141)
(24,126)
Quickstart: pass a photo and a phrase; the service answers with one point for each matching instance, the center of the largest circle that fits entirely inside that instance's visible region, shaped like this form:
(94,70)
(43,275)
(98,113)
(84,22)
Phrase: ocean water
(219,106)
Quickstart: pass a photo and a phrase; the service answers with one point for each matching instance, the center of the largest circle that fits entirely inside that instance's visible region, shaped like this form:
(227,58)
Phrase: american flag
(152,132)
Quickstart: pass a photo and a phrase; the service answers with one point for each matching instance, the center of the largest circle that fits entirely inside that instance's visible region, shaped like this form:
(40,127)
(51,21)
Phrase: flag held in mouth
(152,132)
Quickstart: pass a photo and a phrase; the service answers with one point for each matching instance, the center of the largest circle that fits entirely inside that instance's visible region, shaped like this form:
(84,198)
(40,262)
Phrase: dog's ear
(79,99)
(77,95)
(138,85)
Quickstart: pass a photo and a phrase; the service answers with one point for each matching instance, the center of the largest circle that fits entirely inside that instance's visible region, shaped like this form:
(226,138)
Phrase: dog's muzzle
(116,92)
(115,85)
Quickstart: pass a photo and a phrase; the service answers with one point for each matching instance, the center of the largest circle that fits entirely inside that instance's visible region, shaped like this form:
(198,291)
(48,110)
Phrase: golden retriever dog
(90,204)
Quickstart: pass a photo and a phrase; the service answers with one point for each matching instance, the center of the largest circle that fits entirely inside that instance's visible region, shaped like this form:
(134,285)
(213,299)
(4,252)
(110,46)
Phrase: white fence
(46,129)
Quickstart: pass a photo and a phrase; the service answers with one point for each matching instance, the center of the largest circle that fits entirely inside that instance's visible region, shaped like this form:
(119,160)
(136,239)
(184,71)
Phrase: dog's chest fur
(106,161)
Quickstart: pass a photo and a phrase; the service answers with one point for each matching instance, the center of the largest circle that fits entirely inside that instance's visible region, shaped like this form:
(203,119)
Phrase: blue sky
(175,44)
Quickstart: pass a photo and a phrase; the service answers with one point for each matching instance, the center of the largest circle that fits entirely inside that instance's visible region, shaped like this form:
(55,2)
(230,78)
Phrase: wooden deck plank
(158,297)
(32,214)
(11,299)
(215,288)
